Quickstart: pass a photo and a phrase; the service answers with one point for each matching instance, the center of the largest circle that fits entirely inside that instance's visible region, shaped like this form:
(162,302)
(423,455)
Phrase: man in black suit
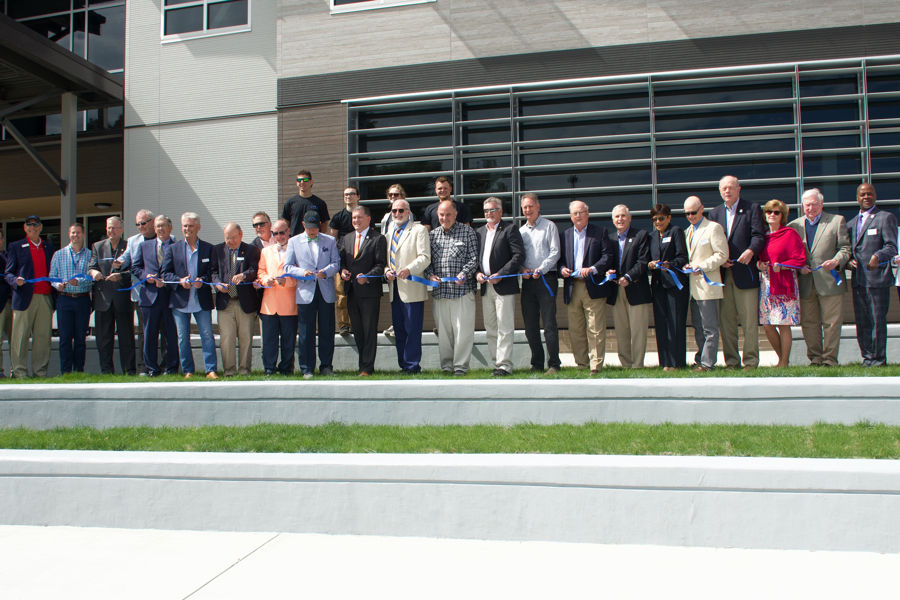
(363,252)
(631,302)
(192,262)
(237,304)
(587,253)
(113,311)
(500,252)
(743,224)
(154,297)
(5,307)
(873,240)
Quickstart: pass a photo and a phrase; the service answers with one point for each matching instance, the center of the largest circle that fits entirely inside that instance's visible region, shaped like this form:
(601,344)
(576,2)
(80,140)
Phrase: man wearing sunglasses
(296,208)
(278,311)
(144,221)
(262,225)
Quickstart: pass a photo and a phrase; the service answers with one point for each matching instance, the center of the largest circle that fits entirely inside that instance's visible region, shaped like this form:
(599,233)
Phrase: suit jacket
(300,257)
(18,264)
(636,256)
(832,241)
(598,253)
(175,266)
(707,249)
(106,293)
(670,246)
(879,238)
(144,263)
(280,300)
(371,260)
(5,290)
(507,255)
(747,231)
(246,262)
(413,253)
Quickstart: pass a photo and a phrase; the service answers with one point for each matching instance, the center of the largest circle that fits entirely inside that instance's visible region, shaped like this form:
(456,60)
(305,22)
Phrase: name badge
(238,258)
(666,240)
(704,242)
(25,245)
(872,232)
(204,260)
(457,243)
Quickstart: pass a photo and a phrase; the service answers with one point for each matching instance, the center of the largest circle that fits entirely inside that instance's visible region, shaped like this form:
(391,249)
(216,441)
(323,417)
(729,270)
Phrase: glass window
(597,203)
(713,171)
(473,136)
(887,189)
(827,87)
(529,159)
(840,164)
(375,119)
(576,129)
(586,178)
(486,183)
(595,102)
(486,162)
(200,16)
(106,37)
(883,83)
(78,39)
(411,141)
(353,5)
(730,147)
(475,112)
(115,117)
(395,168)
(416,187)
(831,141)
(724,119)
(227,14)
(884,109)
(836,191)
(20,9)
(57,28)
(184,20)
(731,93)
(886,162)
(829,113)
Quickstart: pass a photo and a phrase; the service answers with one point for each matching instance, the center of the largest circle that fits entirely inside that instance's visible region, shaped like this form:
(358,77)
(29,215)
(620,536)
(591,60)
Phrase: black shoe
(326,371)
(269,373)
(500,373)
(537,369)
(458,373)
(151,374)
(405,372)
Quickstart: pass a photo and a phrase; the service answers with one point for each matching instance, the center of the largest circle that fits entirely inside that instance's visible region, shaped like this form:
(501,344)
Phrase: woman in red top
(779,298)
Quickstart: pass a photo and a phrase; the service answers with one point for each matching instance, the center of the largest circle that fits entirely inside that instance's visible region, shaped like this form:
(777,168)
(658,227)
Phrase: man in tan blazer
(707,251)
(409,253)
(827,242)
(278,311)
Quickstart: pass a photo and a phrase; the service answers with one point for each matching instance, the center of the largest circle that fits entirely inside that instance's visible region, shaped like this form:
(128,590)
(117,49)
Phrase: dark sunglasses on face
(691,213)
(398,211)
(280,232)
(259,224)
(303,179)
(141,223)
(773,212)
(659,219)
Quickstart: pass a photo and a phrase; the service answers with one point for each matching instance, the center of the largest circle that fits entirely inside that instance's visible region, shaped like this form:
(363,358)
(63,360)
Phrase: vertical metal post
(514,156)
(864,75)
(652,142)
(69,164)
(798,138)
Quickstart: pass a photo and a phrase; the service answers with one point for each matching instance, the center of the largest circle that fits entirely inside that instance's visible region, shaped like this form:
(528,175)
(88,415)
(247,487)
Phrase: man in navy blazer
(236,304)
(154,298)
(314,254)
(586,257)
(32,303)
(192,262)
(873,240)
(746,232)
(631,301)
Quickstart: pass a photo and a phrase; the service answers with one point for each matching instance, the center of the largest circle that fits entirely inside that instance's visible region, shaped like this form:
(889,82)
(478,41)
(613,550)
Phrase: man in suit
(154,299)
(743,225)
(707,251)
(827,242)
(314,254)
(5,307)
(192,262)
(363,252)
(236,304)
(144,220)
(113,311)
(278,309)
(631,302)
(500,252)
(32,303)
(587,252)
(73,301)
(409,253)
(873,240)
(262,225)
(340,226)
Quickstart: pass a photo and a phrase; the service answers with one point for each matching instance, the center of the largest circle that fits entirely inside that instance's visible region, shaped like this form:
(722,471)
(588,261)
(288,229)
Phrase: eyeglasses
(488,211)
(32,224)
(351,194)
(393,195)
(303,179)
(773,212)
(260,224)
(141,223)
(398,211)
(691,213)
(659,219)
(280,232)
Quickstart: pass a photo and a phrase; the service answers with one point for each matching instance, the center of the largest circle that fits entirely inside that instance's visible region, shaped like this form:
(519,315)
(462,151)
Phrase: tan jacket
(413,253)
(832,241)
(707,249)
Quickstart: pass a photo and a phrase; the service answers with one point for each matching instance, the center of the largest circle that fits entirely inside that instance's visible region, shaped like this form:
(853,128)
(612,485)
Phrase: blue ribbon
(417,279)
(609,277)
(142,281)
(834,273)
(708,280)
(299,277)
(82,276)
(674,277)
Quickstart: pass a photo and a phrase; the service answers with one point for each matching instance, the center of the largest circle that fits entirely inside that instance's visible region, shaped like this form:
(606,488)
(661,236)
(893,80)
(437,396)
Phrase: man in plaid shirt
(454,253)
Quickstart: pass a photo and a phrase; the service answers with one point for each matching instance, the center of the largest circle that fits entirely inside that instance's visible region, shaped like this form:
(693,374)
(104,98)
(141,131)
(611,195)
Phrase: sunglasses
(393,195)
(660,219)
(32,224)
(259,224)
(141,223)
(773,212)
(303,179)
(398,211)
(488,211)
(691,213)
(280,232)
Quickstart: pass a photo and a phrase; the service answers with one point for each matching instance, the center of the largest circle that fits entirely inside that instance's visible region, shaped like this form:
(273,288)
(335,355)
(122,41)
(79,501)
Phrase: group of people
(742,266)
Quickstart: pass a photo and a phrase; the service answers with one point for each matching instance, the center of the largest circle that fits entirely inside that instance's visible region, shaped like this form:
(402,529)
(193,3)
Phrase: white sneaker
(389,332)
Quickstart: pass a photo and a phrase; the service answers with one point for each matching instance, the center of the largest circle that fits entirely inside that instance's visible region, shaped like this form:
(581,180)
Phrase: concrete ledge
(809,504)
(795,401)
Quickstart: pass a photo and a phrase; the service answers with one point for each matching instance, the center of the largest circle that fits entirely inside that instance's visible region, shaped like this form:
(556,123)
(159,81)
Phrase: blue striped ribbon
(835,274)
(674,277)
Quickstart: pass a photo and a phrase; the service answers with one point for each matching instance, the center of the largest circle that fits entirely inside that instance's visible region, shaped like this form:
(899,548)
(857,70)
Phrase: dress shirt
(488,245)
(360,236)
(863,216)
(730,212)
(541,242)
(578,250)
(453,253)
(193,304)
(66,263)
(132,247)
(266,244)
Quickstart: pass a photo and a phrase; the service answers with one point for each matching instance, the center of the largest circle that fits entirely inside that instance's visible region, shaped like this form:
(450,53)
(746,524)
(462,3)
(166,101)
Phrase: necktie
(859,225)
(395,240)
(159,255)
(232,291)
(356,248)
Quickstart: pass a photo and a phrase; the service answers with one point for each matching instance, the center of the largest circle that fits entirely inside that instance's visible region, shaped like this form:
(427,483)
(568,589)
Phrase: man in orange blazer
(278,312)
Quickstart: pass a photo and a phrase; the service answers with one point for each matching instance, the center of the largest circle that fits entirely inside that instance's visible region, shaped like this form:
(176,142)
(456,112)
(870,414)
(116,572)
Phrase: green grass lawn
(853,370)
(863,440)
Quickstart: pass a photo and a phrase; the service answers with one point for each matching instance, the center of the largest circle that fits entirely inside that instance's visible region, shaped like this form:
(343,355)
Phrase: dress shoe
(365,374)
(269,373)
(344,330)
(500,373)
(668,369)
(537,369)
(142,375)
(749,368)
(551,371)
(700,369)
(405,372)
(326,371)
(212,375)
(459,373)
(188,375)
(595,371)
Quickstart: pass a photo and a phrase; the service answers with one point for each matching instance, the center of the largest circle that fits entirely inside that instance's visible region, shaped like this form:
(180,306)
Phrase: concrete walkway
(74,563)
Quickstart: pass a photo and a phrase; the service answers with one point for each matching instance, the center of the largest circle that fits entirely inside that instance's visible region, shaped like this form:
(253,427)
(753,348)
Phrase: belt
(81,295)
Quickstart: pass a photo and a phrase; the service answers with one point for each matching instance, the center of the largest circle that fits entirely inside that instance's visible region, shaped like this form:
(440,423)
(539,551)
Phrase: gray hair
(405,204)
(120,222)
(574,202)
(493,200)
(815,193)
(363,209)
(149,214)
(530,195)
(231,224)
(163,218)
(736,182)
(192,216)
(618,206)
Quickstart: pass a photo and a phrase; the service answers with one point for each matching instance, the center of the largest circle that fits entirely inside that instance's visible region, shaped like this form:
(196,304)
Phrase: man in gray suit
(873,241)
(821,297)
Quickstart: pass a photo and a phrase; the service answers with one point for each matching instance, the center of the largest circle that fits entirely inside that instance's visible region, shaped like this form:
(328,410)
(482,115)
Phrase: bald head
(693,209)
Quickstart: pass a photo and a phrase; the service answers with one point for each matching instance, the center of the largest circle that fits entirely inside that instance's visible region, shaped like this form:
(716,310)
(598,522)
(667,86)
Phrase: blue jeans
(203,319)
(72,318)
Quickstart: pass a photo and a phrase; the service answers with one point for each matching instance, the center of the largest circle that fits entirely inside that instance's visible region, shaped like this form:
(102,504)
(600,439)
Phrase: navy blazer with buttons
(246,262)
(175,266)
(636,253)
(144,264)
(18,264)
(506,257)
(5,290)
(598,253)
(747,231)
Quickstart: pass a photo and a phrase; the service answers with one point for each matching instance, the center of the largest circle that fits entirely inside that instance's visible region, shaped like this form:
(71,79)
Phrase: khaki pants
(739,306)
(455,318)
(499,326)
(236,326)
(587,327)
(6,321)
(33,322)
(631,324)
(340,306)
(820,314)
